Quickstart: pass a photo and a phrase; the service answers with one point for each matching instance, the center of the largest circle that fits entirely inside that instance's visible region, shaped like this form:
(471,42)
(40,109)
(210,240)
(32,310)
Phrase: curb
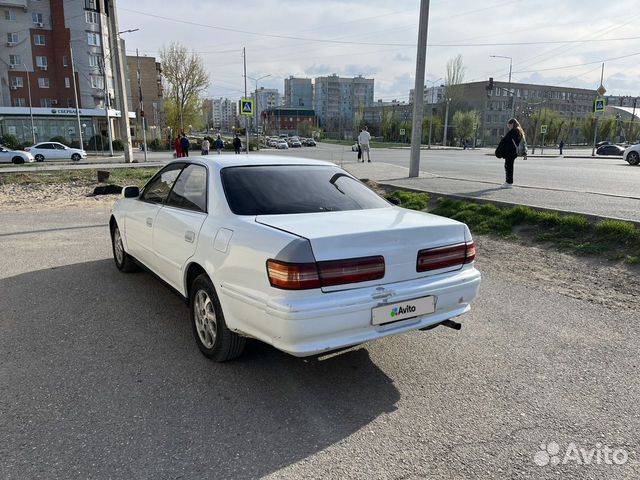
(591,217)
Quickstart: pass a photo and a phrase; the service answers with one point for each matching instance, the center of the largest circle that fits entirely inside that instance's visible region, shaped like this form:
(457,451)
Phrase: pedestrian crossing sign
(246,107)
(599,105)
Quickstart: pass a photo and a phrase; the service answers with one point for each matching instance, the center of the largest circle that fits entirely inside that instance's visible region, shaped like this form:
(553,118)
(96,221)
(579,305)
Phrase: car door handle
(189,236)
(149,221)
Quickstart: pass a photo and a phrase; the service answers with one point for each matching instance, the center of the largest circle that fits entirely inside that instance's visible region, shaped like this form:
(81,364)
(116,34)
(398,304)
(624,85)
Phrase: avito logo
(402,310)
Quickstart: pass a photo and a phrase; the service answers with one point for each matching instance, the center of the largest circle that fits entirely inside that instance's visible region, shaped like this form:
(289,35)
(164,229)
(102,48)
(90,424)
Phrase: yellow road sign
(599,105)
(246,107)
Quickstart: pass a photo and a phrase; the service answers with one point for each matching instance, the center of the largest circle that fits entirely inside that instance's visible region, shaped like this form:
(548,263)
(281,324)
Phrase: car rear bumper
(330,321)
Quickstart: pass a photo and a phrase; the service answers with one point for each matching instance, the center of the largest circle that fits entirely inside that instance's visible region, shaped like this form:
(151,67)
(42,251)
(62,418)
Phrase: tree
(186,78)
(466,124)
(453,80)
(588,128)
(631,131)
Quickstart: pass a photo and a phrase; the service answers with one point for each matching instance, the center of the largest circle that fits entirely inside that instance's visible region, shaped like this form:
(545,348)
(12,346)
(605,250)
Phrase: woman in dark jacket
(507,149)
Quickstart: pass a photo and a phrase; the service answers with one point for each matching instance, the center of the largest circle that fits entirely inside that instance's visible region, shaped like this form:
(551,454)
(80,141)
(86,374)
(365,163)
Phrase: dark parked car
(616,150)
(600,144)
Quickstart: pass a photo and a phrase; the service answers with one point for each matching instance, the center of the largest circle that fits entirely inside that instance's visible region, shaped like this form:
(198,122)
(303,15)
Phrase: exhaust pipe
(445,323)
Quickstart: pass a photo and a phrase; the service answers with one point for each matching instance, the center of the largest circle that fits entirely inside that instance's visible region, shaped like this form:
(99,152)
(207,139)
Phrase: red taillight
(339,272)
(445,257)
(293,276)
(301,276)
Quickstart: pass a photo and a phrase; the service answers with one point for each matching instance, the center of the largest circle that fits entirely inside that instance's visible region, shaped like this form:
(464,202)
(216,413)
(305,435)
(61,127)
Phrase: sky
(550,42)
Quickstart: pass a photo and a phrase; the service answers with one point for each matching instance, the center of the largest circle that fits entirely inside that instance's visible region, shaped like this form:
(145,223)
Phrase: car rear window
(285,189)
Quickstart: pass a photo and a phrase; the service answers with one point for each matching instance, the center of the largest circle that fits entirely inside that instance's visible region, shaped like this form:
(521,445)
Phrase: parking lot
(101,377)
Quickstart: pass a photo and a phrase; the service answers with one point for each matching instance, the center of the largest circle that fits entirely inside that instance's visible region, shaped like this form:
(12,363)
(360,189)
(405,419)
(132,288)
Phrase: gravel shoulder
(594,280)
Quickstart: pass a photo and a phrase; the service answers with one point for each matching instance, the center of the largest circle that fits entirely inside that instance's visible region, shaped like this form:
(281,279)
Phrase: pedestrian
(561,146)
(508,149)
(237,143)
(184,146)
(205,146)
(218,144)
(464,144)
(363,140)
(176,145)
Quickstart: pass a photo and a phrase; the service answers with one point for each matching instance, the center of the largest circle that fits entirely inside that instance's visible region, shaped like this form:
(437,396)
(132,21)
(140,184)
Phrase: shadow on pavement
(101,378)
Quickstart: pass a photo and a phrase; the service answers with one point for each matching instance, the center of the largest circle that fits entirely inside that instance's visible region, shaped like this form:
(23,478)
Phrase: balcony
(14,3)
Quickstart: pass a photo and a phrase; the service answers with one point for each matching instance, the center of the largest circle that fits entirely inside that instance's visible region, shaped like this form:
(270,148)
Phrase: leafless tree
(185,75)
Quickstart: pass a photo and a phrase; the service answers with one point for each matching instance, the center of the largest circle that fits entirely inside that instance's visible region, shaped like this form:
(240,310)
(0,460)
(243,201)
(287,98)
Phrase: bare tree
(454,77)
(186,77)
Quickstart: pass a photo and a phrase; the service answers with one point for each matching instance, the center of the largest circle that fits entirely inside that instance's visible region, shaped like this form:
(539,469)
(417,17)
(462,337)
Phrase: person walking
(363,140)
(184,145)
(176,145)
(218,144)
(237,143)
(508,149)
(561,146)
(205,147)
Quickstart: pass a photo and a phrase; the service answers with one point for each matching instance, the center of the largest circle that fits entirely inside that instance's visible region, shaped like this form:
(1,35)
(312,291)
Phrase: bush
(617,230)
(118,145)
(10,141)
(98,143)
(74,144)
(156,145)
(414,201)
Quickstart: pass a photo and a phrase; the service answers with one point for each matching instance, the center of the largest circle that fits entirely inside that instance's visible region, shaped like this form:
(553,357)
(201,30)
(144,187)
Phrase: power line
(377,44)
(578,64)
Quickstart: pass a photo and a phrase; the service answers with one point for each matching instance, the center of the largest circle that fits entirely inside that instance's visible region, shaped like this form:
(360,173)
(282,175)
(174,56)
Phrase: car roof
(219,162)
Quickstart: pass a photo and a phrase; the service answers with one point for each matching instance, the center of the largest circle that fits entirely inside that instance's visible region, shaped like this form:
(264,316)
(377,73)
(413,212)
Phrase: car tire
(213,337)
(633,158)
(17,160)
(75,157)
(123,260)
(39,158)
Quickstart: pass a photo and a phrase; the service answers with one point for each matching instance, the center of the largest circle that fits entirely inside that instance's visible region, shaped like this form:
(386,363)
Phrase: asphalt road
(101,378)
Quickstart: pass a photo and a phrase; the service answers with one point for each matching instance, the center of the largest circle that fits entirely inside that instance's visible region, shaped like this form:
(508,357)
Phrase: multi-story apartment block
(298,92)
(266,98)
(152,94)
(220,114)
(430,95)
(36,67)
(339,102)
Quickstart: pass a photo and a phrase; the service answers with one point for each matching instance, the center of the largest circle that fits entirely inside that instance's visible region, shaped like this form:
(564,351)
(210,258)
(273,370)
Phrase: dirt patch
(36,196)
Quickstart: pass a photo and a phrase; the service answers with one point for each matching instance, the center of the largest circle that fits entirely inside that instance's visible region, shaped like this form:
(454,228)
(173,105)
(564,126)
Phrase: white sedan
(632,155)
(55,151)
(282,145)
(15,156)
(296,253)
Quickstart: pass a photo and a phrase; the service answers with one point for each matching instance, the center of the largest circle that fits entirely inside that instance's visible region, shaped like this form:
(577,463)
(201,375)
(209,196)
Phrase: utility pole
(33,128)
(120,82)
(144,125)
(75,92)
(595,123)
(106,105)
(418,98)
(246,121)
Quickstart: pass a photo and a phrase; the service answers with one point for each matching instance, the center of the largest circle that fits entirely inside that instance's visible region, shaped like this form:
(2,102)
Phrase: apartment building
(265,99)
(339,102)
(150,86)
(298,92)
(36,67)
(220,114)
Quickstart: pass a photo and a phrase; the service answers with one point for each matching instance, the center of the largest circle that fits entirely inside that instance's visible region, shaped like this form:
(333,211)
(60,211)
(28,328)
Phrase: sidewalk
(592,204)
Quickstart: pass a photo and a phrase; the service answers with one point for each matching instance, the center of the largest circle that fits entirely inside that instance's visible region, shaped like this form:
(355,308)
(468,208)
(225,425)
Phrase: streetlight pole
(256,109)
(513,97)
(446,123)
(33,128)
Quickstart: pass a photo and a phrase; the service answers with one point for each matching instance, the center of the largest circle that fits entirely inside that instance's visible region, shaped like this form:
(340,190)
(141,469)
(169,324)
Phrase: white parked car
(632,154)
(15,156)
(282,145)
(296,253)
(55,151)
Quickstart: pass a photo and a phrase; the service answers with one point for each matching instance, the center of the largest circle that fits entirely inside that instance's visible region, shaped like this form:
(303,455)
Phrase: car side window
(46,146)
(58,147)
(190,190)
(157,190)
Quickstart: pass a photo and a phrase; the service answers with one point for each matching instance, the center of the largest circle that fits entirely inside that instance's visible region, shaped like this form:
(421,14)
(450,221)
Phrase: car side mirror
(131,192)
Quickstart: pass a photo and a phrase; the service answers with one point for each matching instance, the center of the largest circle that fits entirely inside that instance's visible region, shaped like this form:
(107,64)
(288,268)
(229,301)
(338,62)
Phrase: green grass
(574,234)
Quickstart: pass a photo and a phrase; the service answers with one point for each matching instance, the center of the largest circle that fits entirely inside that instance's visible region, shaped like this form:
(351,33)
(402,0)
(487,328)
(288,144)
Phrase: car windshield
(286,189)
